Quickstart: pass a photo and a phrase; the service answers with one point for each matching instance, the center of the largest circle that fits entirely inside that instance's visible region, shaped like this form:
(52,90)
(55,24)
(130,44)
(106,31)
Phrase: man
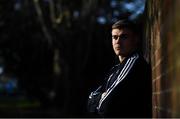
(127,88)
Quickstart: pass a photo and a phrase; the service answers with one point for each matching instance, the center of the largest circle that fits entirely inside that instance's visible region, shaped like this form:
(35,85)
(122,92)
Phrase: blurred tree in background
(54,52)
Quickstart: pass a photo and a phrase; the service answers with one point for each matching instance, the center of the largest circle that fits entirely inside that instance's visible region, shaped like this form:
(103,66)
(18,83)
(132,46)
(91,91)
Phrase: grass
(18,102)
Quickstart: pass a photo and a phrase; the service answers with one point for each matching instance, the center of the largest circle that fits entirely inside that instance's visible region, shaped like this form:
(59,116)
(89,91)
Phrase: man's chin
(121,54)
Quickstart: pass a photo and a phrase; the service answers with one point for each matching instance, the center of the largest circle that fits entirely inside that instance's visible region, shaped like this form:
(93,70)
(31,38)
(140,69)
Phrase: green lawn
(18,102)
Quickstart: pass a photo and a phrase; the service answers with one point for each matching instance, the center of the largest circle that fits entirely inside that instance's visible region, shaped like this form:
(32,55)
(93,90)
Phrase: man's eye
(115,37)
(123,36)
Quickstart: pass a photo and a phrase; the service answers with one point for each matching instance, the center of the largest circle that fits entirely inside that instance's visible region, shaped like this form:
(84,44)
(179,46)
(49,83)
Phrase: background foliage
(54,52)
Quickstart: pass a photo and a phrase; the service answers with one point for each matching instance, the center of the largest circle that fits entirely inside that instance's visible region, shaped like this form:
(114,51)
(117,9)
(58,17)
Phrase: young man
(127,89)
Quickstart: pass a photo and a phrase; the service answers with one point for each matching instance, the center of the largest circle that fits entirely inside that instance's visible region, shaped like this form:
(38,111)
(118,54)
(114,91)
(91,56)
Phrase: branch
(40,17)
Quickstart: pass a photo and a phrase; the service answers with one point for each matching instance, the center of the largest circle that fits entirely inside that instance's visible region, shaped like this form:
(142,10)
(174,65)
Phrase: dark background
(53,53)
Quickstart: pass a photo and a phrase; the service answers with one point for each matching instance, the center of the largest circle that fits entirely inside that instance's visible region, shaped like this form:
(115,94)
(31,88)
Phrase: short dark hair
(125,23)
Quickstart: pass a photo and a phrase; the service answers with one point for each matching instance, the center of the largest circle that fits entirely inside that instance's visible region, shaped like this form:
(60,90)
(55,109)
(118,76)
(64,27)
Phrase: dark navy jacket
(128,90)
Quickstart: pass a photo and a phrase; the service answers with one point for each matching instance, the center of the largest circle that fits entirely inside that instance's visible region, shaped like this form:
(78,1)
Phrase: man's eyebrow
(120,34)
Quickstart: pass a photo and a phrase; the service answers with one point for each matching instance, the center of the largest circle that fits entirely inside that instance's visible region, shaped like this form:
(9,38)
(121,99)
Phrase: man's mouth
(117,48)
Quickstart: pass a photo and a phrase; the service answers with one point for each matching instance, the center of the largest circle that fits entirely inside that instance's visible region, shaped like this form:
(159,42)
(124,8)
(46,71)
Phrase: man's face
(124,41)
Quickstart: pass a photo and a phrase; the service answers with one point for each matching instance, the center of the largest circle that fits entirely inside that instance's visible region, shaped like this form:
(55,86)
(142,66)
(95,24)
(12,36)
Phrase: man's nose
(118,40)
